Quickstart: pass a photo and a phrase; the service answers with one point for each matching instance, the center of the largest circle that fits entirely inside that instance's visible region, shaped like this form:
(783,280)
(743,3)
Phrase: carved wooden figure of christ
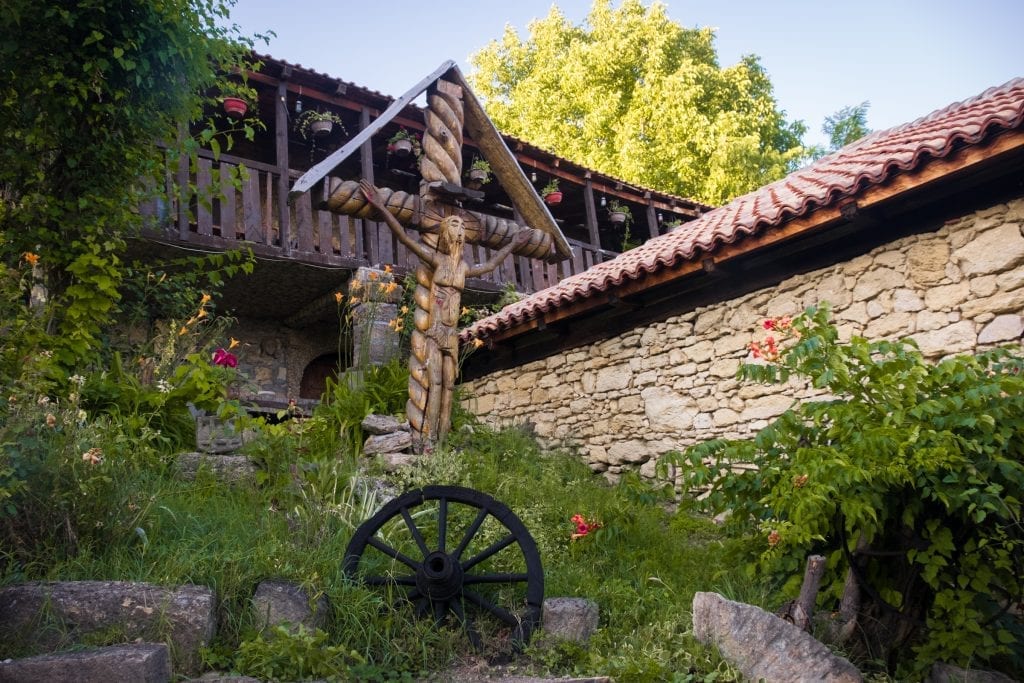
(436,337)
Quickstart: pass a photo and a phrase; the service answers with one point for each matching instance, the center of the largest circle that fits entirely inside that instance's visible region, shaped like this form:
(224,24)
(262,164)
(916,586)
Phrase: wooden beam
(652,216)
(591,210)
(281,158)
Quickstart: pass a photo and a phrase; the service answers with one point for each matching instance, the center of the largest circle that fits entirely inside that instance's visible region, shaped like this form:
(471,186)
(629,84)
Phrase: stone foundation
(625,401)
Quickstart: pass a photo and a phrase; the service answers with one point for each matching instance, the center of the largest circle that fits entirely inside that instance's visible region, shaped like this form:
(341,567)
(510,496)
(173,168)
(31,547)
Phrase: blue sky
(906,57)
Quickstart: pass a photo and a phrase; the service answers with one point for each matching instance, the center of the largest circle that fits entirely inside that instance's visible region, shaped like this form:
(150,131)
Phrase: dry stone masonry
(626,401)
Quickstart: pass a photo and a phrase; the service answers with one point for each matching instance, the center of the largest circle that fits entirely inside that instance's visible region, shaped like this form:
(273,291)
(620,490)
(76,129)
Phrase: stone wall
(627,400)
(272,356)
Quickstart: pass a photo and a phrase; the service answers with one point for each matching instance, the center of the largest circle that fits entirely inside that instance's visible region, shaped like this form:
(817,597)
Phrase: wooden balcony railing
(209,210)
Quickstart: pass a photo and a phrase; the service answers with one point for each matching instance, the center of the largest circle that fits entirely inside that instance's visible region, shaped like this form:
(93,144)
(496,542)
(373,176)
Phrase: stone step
(139,663)
(49,616)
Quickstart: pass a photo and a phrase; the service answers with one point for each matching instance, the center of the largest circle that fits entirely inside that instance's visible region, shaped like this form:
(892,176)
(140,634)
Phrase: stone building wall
(623,402)
(273,357)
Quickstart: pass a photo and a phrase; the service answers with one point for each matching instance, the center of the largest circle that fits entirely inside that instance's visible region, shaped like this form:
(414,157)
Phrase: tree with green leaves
(88,89)
(907,476)
(846,125)
(634,94)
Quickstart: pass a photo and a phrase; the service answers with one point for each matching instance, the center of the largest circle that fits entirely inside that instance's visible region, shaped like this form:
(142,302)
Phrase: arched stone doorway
(314,377)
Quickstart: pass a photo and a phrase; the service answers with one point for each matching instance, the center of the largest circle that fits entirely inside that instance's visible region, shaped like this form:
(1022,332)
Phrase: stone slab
(383,424)
(51,615)
(230,469)
(763,646)
(387,443)
(139,663)
(283,602)
(572,619)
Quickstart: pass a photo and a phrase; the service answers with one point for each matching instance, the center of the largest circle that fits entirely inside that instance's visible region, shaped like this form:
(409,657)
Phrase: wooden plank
(318,172)
(577,259)
(184,197)
(304,223)
(538,275)
(252,218)
(359,245)
(204,197)
(272,236)
(652,217)
(228,219)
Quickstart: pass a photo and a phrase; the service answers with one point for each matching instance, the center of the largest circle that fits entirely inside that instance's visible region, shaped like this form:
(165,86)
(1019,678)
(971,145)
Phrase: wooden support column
(652,216)
(371,229)
(281,149)
(591,210)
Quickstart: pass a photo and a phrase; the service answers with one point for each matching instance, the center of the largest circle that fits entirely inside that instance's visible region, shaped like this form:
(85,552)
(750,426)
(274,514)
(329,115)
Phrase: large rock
(231,469)
(139,663)
(383,424)
(992,251)
(387,443)
(283,602)
(572,619)
(1002,329)
(214,435)
(50,615)
(763,646)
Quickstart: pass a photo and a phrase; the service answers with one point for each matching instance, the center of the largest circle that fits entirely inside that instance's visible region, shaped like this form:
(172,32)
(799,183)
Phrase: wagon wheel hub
(439,577)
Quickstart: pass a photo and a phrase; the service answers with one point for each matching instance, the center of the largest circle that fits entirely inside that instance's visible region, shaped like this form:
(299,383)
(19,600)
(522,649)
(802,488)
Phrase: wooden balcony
(211,213)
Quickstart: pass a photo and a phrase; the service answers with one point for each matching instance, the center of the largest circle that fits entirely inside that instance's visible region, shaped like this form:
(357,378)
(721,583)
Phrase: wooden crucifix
(445,226)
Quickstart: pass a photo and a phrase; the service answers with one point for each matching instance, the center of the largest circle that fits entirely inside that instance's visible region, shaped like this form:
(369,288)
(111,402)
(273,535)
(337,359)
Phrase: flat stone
(395,461)
(1002,328)
(947,673)
(231,469)
(572,619)
(138,662)
(219,677)
(956,338)
(668,411)
(214,435)
(383,424)
(56,614)
(763,646)
(387,443)
(283,602)
(992,251)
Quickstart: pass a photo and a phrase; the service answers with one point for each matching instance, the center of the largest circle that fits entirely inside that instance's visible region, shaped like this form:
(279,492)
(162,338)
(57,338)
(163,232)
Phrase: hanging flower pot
(402,148)
(617,217)
(235,107)
(553,198)
(321,128)
(552,195)
(478,175)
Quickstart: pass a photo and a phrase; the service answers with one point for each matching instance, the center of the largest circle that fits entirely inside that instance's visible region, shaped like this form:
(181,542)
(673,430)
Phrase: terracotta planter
(553,198)
(402,148)
(617,217)
(235,107)
(321,128)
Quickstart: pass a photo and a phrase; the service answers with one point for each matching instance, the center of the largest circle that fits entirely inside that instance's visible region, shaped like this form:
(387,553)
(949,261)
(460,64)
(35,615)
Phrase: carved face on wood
(453,235)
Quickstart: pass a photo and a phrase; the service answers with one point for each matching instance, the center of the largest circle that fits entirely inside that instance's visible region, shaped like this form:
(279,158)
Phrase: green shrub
(909,474)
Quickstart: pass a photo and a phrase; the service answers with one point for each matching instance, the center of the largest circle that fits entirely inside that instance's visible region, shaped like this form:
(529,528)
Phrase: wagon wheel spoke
(389,580)
(440,611)
(471,532)
(467,624)
(492,549)
(414,530)
(391,552)
(442,523)
(495,578)
(496,610)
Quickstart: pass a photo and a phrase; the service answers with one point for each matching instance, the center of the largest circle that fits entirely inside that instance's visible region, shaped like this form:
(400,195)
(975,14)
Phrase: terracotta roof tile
(867,162)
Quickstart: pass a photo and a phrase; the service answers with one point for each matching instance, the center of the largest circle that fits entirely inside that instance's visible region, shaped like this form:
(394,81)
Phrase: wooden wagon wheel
(453,551)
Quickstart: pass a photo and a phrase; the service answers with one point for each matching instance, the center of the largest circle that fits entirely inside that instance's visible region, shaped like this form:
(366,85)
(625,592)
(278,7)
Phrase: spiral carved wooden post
(433,361)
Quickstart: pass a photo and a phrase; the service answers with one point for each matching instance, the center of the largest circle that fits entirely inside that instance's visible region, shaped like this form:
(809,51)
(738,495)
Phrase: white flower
(82,416)
(77,379)
(163,386)
(43,400)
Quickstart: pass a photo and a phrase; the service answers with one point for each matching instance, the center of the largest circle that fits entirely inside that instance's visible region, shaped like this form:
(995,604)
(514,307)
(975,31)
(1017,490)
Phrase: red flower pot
(553,198)
(235,107)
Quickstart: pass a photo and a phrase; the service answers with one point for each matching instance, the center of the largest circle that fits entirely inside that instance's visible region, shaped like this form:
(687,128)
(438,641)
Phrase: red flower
(225,358)
(582,526)
(769,324)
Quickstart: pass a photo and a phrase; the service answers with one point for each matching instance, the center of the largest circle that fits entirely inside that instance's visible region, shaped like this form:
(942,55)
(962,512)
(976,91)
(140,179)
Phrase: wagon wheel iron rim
(441,567)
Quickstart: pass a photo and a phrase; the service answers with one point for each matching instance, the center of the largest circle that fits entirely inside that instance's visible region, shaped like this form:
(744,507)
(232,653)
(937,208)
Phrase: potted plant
(671,225)
(479,173)
(619,213)
(552,195)
(403,143)
(235,98)
(317,124)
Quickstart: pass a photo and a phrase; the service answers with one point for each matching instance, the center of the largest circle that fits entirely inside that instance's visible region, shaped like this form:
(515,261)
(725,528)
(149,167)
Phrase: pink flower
(769,324)
(225,358)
